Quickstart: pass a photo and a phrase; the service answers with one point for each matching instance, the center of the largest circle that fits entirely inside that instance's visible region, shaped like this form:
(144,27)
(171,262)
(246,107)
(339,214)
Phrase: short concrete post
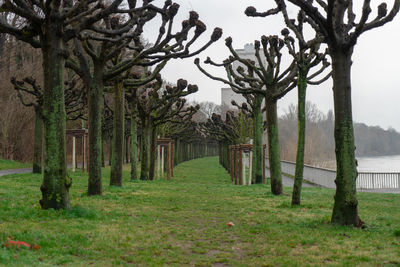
(243,168)
(250,165)
(162,161)
(73,153)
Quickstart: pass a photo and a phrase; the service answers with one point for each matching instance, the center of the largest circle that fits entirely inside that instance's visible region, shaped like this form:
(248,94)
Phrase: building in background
(227,94)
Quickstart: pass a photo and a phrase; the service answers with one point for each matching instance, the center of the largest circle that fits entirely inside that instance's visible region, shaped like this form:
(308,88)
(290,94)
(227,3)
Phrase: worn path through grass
(182,222)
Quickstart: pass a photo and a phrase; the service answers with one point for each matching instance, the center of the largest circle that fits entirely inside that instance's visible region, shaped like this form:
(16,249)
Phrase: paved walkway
(288,181)
(15,171)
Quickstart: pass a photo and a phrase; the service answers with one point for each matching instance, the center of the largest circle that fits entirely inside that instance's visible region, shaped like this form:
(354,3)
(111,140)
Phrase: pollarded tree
(254,109)
(307,56)
(231,131)
(49,25)
(172,108)
(168,45)
(336,21)
(266,80)
(156,106)
(74,104)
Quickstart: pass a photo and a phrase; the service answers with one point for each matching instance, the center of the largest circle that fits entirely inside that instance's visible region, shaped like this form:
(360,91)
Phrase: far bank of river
(379,164)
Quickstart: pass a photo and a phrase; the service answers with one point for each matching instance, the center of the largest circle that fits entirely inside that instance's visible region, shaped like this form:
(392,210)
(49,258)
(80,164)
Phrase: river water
(379,164)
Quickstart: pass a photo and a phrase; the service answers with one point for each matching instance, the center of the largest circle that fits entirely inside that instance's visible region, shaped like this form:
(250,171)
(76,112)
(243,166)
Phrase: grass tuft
(80,212)
(397,232)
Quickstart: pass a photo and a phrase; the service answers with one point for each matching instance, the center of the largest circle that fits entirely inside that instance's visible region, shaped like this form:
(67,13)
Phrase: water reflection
(379,164)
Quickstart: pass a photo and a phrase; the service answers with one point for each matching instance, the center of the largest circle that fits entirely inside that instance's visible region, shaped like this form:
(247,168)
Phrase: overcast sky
(375,71)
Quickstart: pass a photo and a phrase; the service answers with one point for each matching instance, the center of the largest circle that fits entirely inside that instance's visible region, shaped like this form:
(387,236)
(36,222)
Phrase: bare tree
(49,25)
(307,56)
(336,22)
(266,81)
(74,103)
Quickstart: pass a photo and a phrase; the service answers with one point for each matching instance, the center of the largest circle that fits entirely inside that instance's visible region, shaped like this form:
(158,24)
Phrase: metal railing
(326,177)
(378,180)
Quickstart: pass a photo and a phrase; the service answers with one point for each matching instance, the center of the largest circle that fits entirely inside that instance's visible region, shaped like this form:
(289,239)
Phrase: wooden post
(263,175)
(162,160)
(169,162)
(87,152)
(231,159)
(83,152)
(73,153)
(236,165)
(158,161)
(172,158)
(240,166)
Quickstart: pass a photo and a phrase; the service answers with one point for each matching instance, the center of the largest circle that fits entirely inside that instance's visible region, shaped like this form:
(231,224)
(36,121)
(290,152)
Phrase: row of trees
(335,25)
(101,44)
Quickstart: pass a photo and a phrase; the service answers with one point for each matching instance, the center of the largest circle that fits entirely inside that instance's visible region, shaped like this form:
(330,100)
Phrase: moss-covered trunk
(134,142)
(145,149)
(38,143)
(117,160)
(103,145)
(110,151)
(257,160)
(274,147)
(345,210)
(55,184)
(301,138)
(153,145)
(127,152)
(95,134)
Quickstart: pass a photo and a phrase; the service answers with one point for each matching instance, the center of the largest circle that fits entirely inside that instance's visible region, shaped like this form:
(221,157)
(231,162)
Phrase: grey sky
(375,81)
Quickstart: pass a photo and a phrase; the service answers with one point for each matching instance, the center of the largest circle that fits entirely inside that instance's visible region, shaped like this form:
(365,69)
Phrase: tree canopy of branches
(49,25)
(74,103)
(307,56)
(267,81)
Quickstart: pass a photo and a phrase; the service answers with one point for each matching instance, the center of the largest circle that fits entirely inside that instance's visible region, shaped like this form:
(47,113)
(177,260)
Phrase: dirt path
(15,171)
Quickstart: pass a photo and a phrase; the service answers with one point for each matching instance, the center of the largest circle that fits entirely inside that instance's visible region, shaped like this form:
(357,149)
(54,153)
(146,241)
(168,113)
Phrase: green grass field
(10,164)
(183,222)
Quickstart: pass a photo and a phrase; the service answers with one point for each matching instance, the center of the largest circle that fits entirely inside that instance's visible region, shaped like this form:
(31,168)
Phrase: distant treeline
(375,141)
(369,140)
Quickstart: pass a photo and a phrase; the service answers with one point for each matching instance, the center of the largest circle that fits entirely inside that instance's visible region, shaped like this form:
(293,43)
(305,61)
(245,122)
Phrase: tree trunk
(110,151)
(153,145)
(55,184)
(134,142)
(257,161)
(345,210)
(117,160)
(301,116)
(145,149)
(103,145)
(38,144)
(127,152)
(95,134)
(274,148)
